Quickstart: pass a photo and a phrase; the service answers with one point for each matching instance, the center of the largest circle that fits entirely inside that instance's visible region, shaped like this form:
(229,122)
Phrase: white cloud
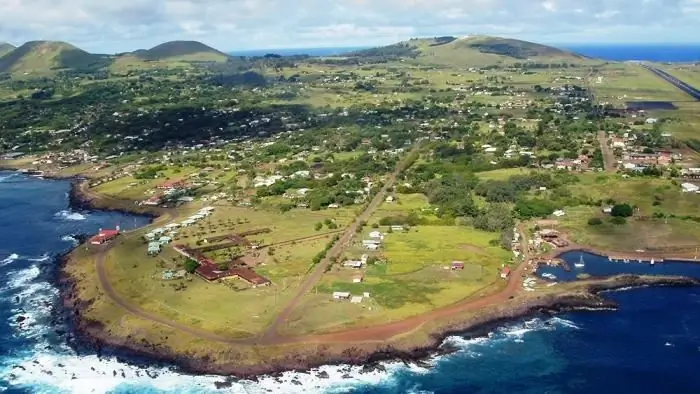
(113,26)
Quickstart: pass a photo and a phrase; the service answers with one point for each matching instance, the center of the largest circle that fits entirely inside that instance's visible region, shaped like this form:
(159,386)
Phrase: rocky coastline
(89,336)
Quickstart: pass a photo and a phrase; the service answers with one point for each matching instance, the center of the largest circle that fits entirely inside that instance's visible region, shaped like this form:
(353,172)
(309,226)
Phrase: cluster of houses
(548,236)
(167,191)
(159,237)
(346,295)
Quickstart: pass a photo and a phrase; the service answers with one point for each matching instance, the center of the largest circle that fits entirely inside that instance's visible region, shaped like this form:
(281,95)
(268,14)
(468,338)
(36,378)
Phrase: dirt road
(609,161)
(335,251)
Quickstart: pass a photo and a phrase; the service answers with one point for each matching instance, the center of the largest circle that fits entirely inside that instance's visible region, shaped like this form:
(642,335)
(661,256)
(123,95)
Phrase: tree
(622,210)
(191,265)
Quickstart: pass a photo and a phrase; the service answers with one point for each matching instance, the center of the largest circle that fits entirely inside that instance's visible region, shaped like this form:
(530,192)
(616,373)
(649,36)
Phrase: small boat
(549,276)
(652,261)
(580,263)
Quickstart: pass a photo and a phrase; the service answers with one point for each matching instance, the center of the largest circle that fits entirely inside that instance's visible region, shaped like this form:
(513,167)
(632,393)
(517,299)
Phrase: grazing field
(630,82)
(651,196)
(413,276)
(240,310)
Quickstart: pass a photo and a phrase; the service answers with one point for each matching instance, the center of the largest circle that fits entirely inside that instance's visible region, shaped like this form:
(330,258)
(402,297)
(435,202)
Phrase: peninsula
(353,208)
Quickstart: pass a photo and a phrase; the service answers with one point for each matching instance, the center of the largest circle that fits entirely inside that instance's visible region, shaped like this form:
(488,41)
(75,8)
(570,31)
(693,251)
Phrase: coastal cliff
(584,295)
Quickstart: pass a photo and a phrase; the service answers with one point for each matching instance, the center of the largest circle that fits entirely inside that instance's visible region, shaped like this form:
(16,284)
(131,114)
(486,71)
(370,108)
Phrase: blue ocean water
(614,52)
(649,52)
(651,345)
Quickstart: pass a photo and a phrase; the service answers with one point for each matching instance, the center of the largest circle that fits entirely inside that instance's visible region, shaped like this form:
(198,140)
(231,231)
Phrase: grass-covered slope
(183,51)
(5,48)
(49,56)
(471,51)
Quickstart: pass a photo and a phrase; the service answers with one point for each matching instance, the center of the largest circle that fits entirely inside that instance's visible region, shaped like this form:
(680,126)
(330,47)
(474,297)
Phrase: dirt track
(608,154)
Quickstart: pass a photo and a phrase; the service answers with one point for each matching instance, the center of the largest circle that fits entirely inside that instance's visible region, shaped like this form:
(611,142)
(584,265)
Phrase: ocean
(614,52)
(652,344)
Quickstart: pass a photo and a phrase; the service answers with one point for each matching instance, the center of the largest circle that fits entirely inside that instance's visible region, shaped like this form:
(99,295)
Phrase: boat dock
(634,259)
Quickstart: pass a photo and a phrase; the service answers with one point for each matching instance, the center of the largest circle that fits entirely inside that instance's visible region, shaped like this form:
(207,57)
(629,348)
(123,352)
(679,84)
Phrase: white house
(559,213)
(690,187)
(353,264)
(341,295)
(376,235)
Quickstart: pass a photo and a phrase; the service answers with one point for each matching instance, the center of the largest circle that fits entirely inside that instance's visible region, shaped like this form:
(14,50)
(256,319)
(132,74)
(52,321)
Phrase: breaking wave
(44,257)
(9,259)
(7,177)
(70,215)
(70,238)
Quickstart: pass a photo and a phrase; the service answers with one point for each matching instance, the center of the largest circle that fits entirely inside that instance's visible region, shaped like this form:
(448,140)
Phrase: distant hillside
(471,51)
(47,56)
(185,51)
(5,48)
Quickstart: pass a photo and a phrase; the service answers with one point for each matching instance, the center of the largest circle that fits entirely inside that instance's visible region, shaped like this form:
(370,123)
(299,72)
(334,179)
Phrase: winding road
(377,333)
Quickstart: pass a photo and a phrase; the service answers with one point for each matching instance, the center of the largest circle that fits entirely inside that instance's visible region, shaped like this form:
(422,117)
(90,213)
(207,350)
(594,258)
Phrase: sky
(112,26)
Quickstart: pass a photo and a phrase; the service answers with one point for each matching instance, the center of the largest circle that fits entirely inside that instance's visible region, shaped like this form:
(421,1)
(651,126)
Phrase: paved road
(609,161)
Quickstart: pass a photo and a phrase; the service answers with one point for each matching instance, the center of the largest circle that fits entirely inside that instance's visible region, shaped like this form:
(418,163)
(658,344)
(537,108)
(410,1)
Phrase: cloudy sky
(110,26)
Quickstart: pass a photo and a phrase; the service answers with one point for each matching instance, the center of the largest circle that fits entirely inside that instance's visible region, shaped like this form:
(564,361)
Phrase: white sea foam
(70,215)
(90,374)
(9,259)
(69,238)
(7,177)
(66,372)
(44,257)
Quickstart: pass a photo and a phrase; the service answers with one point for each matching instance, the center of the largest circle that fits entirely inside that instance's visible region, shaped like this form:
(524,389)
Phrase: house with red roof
(104,236)
(172,184)
(505,273)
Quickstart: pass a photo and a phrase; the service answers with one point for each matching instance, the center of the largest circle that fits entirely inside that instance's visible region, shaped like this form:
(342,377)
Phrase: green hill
(183,51)
(5,48)
(472,51)
(50,56)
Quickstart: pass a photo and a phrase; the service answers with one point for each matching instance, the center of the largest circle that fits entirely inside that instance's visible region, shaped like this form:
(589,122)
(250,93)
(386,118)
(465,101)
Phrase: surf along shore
(410,340)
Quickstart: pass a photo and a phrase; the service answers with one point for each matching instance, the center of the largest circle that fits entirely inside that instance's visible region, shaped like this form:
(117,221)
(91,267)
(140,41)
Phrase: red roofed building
(505,272)
(104,236)
(172,184)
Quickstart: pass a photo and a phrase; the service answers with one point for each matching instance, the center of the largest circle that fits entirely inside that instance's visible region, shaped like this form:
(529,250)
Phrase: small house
(372,247)
(389,199)
(366,242)
(356,300)
(164,240)
(154,248)
(376,235)
(689,187)
(353,264)
(457,265)
(505,273)
(398,228)
(341,295)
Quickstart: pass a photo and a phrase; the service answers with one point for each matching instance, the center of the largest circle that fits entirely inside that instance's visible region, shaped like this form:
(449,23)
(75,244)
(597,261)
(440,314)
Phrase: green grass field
(415,279)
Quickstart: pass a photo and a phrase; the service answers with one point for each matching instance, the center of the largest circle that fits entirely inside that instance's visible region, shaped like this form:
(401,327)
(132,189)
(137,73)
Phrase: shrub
(619,220)
(191,265)
(622,210)
(595,222)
